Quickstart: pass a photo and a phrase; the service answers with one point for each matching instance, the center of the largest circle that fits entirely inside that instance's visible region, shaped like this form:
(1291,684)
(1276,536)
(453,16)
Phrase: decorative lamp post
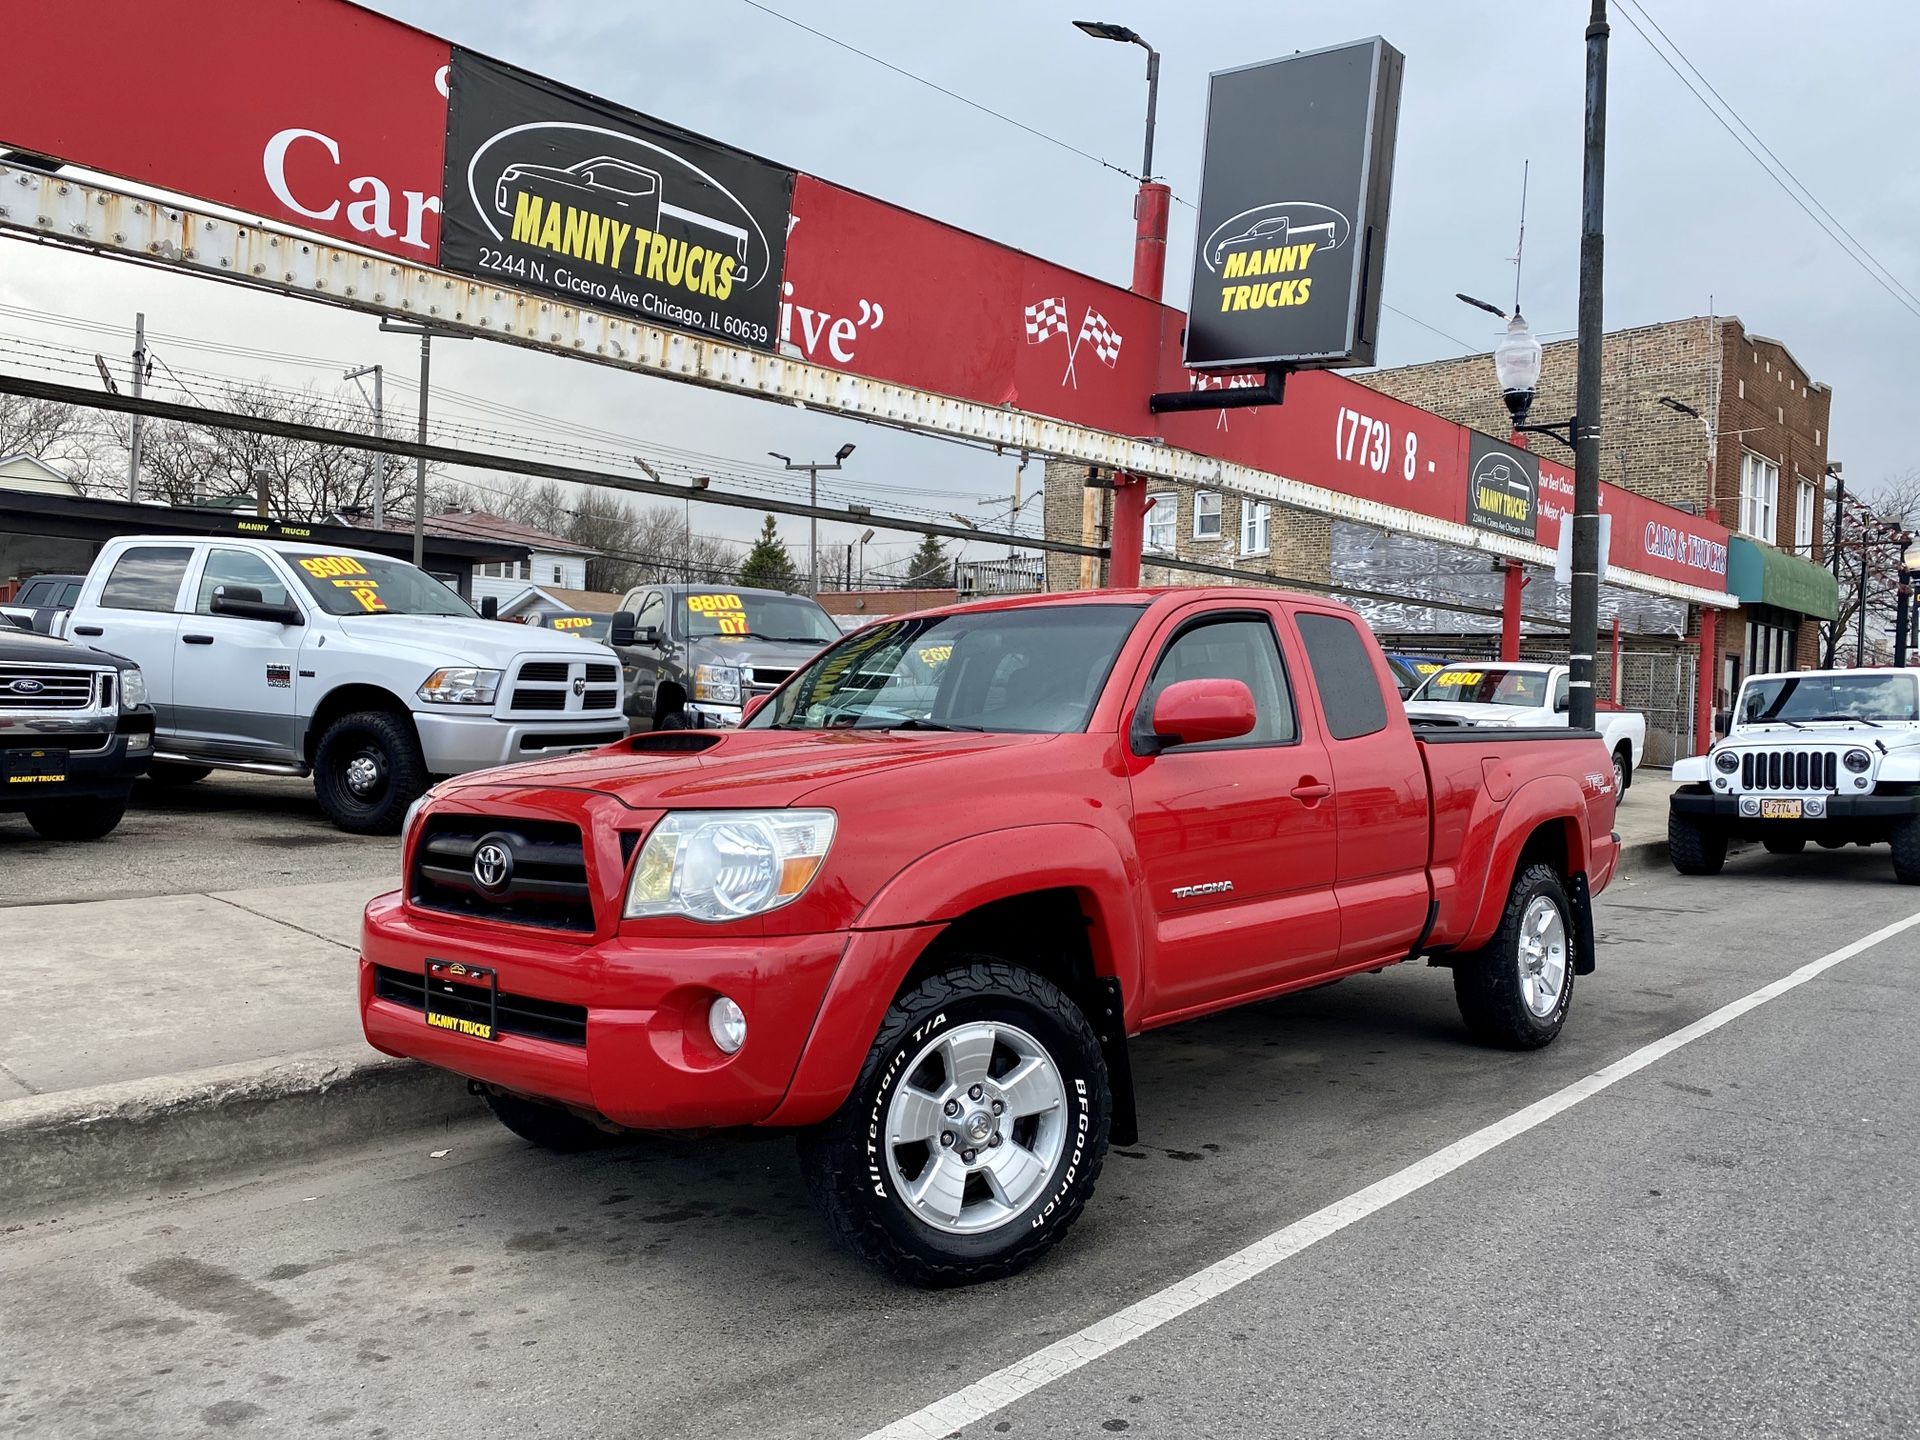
(1516,365)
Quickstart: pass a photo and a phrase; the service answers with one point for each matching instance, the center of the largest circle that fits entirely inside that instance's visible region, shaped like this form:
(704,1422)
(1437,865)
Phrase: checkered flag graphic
(1046,319)
(1104,338)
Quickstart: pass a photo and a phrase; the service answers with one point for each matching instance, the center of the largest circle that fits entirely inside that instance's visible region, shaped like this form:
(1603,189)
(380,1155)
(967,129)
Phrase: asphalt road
(1724,1243)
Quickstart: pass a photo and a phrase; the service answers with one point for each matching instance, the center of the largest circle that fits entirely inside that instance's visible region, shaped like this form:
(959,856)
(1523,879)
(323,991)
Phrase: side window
(1235,647)
(1343,670)
(653,611)
(1560,701)
(238,567)
(146,577)
(69,594)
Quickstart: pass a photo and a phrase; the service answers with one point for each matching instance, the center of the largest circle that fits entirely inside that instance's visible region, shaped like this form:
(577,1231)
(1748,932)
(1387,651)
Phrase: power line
(1835,231)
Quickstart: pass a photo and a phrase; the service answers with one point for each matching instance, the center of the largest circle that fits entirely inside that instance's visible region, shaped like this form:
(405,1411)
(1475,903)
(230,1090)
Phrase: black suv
(694,656)
(75,732)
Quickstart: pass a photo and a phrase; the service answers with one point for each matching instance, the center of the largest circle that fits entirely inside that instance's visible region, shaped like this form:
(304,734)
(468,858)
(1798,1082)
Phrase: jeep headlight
(1726,762)
(1858,761)
(133,688)
(461,685)
(725,864)
(719,684)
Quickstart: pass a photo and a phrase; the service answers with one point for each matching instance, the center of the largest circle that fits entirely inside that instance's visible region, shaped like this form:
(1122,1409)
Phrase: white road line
(1103,1337)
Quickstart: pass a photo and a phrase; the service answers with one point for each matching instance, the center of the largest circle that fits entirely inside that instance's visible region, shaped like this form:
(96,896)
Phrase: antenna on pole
(1520,246)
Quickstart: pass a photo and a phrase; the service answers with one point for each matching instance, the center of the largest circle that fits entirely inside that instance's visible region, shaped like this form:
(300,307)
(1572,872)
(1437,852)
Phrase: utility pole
(813,469)
(262,482)
(380,432)
(426,334)
(1584,618)
(139,383)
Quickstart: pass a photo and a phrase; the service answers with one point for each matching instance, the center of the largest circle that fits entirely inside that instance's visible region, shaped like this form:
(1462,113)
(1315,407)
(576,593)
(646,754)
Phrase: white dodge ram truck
(357,669)
(1831,756)
(1492,692)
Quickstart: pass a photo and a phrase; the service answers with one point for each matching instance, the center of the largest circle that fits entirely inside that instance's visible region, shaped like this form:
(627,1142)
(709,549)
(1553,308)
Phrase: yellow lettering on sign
(1461,677)
(707,604)
(935,654)
(462,1027)
(369,598)
(572,622)
(325,567)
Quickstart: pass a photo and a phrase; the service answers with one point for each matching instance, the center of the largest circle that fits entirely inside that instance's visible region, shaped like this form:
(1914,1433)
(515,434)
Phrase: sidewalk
(1641,819)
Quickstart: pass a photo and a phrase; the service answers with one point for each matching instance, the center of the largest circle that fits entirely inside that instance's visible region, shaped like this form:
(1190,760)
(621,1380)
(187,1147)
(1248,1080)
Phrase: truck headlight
(719,684)
(461,685)
(133,688)
(725,864)
(1858,761)
(1726,762)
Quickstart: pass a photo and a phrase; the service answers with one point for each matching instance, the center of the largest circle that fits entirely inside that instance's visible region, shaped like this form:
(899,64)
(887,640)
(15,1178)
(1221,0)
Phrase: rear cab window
(147,577)
(1344,674)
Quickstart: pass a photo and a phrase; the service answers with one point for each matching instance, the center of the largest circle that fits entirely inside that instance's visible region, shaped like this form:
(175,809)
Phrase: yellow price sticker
(711,604)
(326,567)
(572,622)
(1461,677)
(935,654)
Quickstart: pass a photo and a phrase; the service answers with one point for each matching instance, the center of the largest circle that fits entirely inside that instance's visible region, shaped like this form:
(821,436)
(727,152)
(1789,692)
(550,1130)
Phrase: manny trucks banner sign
(1291,237)
(553,190)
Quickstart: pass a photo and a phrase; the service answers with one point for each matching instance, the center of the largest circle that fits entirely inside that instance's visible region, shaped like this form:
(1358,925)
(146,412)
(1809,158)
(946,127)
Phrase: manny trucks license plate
(464,999)
(1781,809)
(33,767)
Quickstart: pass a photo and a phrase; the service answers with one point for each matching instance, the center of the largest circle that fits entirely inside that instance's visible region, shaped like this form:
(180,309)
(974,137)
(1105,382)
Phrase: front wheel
(1694,849)
(1906,852)
(1515,993)
(975,1132)
(88,818)
(547,1126)
(367,769)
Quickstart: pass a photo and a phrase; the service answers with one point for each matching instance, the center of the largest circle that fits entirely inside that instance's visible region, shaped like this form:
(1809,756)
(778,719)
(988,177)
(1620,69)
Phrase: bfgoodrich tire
(367,770)
(82,819)
(1906,852)
(547,1126)
(1694,849)
(975,1132)
(1516,992)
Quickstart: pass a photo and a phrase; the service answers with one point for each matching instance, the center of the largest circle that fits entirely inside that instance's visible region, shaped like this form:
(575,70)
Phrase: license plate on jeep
(463,999)
(33,767)
(1782,809)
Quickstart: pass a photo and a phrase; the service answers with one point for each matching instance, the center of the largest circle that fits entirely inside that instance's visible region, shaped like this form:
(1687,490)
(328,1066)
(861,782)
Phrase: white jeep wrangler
(1831,756)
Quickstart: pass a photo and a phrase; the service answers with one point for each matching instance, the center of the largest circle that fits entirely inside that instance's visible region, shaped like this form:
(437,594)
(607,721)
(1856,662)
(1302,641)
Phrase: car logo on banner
(1503,487)
(492,865)
(552,189)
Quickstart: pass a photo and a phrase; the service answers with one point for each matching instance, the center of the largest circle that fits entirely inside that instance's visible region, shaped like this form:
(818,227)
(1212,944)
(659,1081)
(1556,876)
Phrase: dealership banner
(550,189)
(1290,237)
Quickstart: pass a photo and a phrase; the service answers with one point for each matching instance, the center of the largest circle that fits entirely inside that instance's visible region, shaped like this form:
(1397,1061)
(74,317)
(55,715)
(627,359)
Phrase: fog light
(1860,782)
(1721,783)
(1816,807)
(1749,805)
(137,743)
(727,1023)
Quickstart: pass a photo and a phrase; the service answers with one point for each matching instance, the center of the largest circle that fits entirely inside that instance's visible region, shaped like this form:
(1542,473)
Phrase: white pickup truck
(1831,756)
(357,669)
(1518,695)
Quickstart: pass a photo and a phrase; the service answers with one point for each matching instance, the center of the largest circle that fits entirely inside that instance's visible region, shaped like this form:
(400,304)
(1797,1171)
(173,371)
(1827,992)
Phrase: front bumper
(647,1060)
(455,744)
(108,769)
(1847,816)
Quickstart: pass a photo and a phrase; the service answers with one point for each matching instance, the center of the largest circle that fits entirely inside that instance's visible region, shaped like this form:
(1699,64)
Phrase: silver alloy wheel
(1619,779)
(970,1150)
(363,775)
(1543,956)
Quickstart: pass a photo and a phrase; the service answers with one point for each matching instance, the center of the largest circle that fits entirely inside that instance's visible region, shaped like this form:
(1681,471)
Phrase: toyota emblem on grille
(492,865)
(26,686)
(579,684)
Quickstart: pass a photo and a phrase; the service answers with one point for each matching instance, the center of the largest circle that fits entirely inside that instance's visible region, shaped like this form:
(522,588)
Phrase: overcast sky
(1691,220)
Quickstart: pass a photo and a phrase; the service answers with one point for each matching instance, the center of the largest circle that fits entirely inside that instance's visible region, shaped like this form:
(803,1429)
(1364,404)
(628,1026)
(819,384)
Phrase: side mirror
(243,602)
(1723,721)
(1563,706)
(490,607)
(646,635)
(1194,712)
(752,705)
(620,629)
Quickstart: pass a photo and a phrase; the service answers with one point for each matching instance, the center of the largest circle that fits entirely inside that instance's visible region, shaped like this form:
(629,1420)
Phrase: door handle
(197,639)
(1311,791)
(88,630)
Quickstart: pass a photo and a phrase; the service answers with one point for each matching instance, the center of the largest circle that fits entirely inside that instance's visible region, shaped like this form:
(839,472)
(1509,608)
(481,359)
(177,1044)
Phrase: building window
(1759,495)
(1806,511)
(1163,514)
(1255,518)
(1206,515)
(559,576)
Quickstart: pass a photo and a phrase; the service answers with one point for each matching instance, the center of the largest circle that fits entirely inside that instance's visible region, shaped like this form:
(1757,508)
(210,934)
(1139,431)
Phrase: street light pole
(1584,617)
(426,334)
(380,431)
(813,469)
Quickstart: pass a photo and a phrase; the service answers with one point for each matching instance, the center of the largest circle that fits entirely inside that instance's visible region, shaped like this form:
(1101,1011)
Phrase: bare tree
(1866,550)
(68,438)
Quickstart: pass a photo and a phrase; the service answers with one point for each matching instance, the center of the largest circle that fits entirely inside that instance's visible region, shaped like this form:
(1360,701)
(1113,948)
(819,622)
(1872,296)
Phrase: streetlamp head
(1516,365)
(1679,406)
(1102,30)
(866,537)
(844,451)
(778,456)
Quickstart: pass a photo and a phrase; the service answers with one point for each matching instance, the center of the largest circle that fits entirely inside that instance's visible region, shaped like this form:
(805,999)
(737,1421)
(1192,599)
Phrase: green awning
(1762,575)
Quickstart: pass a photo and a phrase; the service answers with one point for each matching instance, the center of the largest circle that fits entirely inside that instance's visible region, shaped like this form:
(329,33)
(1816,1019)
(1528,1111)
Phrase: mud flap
(1583,937)
(1109,1019)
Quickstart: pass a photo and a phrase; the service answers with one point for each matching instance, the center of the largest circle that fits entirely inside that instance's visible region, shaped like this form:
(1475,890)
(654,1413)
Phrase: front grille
(571,739)
(603,674)
(544,671)
(548,885)
(601,699)
(1790,770)
(766,677)
(516,1014)
(11,739)
(46,688)
(539,699)
(557,687)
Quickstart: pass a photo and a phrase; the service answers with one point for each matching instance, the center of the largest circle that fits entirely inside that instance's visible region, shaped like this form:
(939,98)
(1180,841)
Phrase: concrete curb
(1639,855)
(117,1141)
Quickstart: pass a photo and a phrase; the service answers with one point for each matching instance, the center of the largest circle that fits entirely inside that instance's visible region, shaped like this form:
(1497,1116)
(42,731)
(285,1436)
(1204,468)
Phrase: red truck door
(1380,790)
(1236,838)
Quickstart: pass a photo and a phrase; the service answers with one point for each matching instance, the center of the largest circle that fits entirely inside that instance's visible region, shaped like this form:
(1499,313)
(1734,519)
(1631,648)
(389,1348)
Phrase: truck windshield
(792,618)
(587,627)
(1802,698)
(1486,685)
(1031,671)
(371,585)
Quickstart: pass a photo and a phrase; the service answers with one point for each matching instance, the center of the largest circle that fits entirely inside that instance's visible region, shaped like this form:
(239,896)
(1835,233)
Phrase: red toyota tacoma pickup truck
(917,904)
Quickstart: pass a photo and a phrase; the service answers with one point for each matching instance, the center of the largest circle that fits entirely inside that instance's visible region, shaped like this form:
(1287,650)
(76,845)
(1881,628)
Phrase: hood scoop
(673,742)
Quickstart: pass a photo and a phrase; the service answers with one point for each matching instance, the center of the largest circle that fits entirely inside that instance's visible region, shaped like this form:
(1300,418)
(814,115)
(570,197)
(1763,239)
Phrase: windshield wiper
(1847,720)
(912,723)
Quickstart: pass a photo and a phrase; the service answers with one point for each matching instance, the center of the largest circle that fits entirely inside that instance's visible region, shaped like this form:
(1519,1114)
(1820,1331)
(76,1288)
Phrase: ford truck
(75,732)
(918,904)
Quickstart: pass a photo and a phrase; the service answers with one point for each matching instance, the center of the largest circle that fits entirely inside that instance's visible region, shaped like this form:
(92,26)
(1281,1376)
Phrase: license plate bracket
(33,767)
(463,999)
(1783,809)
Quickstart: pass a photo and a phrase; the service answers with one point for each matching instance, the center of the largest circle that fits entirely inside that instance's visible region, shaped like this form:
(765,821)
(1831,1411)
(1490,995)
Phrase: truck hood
(750,653)
(766,769)
(458,639)
(1890,734)
(1469,714)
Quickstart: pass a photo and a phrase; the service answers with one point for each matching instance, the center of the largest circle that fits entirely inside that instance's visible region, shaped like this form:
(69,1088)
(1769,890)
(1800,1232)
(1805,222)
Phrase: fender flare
(1545,800)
